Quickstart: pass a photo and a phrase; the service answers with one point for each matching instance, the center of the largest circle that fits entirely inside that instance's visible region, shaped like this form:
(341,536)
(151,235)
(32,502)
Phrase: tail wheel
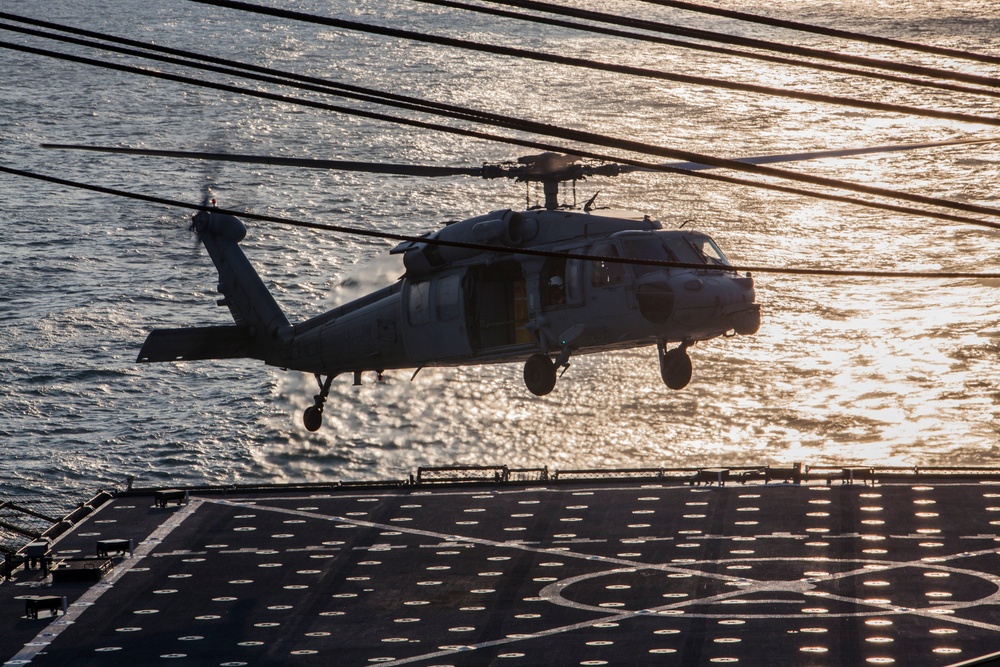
(312,417)
(539,374)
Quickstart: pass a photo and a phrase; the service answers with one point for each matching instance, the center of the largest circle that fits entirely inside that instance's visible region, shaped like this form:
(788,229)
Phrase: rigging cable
(567,24)
(585,137)
(665,28)
(829,32)
(235,64)
(264,74)
(408,238)
(600,66)
(527,126)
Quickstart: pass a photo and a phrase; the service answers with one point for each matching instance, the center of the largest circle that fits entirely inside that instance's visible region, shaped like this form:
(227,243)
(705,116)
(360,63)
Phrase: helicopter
(537,286)
(460,305)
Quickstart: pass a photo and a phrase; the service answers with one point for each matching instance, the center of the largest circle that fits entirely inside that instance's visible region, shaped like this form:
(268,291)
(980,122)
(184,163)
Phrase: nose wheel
(675,365)
(312,417)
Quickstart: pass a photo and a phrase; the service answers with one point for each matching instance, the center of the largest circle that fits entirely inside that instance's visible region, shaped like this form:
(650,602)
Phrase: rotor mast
(550,187)
(550,169)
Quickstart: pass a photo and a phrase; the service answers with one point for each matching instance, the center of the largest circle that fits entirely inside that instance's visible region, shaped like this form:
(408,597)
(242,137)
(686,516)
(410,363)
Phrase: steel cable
(584,137)
(829,32)
(600,66)
(705,35)
(357,231)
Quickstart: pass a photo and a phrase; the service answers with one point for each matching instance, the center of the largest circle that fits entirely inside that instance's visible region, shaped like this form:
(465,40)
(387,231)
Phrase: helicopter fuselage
(457,306)
(476,308)
(536,287)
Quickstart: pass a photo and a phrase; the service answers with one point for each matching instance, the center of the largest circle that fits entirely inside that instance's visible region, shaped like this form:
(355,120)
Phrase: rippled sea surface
(843,370)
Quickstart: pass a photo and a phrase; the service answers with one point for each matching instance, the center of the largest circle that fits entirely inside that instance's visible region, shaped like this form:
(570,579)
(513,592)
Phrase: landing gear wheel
(312,418)
(539,374)
(675,366)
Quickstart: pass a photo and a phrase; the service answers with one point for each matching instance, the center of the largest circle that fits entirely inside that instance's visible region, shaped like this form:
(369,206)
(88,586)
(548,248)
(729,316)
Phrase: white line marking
(552,593)
(87,600)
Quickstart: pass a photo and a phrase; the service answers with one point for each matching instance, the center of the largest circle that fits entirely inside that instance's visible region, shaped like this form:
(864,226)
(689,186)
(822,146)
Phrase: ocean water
(892,372)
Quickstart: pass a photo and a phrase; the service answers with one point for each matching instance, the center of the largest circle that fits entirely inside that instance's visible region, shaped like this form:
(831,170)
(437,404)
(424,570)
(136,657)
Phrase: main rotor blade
(495,172)
(342,165)
(816,155)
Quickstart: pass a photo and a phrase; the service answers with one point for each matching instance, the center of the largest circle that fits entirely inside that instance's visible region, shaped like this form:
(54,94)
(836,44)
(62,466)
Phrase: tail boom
(261,330)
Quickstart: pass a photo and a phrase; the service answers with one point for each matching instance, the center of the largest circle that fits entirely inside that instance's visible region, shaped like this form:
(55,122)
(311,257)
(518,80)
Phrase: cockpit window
(684,251)
(606,274)
(709,252)
(646,248)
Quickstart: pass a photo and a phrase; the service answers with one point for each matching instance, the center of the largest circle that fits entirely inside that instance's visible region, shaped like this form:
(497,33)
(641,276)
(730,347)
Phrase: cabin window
(554,277)
(606,274)
(647,248)
(446,298)
(573,291)
(419,300)
(562,282)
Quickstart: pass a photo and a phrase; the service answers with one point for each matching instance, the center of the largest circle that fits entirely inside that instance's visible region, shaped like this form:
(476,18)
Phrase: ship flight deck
(482,566)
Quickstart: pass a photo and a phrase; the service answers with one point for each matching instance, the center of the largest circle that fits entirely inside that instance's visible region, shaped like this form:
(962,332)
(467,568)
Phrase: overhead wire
(573,135)
(372,115)
(585,63)
(585,137)
(367,94)
(555,22)
(423,239)
(254,72)
(829,32)
(664,28)
(266,70)
(361,93)
(409,238)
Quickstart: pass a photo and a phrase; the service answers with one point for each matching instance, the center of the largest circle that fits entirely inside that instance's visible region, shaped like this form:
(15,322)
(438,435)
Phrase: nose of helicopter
(747,322)
(746,316)
(704,305)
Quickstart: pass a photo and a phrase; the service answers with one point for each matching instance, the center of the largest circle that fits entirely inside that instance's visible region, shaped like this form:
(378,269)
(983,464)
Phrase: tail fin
(261,326)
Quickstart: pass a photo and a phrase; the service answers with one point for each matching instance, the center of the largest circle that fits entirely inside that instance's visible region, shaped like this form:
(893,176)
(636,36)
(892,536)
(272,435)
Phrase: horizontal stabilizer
(223,342)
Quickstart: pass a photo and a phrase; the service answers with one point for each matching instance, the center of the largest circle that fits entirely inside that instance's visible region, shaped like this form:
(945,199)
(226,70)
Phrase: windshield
(708,251)
(684,251)
(647,248)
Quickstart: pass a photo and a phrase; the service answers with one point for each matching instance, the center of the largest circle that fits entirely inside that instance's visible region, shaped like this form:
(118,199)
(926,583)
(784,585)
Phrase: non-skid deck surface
(616,573)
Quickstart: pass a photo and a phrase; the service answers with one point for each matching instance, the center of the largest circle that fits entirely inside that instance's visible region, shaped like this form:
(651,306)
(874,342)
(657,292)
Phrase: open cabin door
(497,307)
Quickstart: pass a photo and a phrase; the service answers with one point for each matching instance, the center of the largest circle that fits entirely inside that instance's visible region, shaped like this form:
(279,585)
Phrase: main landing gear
(312,418)
(539,374)
(675,364)
(540,371)
(675,368)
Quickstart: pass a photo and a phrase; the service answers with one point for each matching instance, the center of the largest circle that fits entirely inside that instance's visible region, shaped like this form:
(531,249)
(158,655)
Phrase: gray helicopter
(535,287)
(459,304)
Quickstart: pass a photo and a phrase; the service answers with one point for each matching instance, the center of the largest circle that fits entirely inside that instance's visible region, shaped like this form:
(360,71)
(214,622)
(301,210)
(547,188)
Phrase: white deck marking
(87,600)
(553,592)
